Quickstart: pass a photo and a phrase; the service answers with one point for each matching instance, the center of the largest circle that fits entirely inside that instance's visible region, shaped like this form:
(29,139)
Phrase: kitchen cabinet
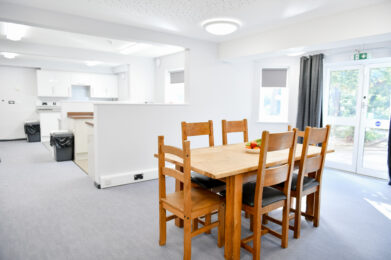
(81,79)
(53,83)
(59,84)
(104,86)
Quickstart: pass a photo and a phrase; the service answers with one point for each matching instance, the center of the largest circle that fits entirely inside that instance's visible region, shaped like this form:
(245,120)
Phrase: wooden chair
(199,129)
(188,204)
(308,182)
(260,198)
(299,133)
(234,127)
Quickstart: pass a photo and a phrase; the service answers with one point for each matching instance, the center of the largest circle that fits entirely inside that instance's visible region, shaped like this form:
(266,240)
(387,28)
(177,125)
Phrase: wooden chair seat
(202,201)
(269,196)
(308,183)
(205,182)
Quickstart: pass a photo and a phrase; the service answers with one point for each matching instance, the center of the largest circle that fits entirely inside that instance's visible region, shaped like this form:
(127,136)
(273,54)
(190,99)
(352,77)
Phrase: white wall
(166,63)
(217,91)
(142,81)
(19,85)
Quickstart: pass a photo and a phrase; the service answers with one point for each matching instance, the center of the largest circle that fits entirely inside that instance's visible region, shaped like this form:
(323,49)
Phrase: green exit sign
(361,56)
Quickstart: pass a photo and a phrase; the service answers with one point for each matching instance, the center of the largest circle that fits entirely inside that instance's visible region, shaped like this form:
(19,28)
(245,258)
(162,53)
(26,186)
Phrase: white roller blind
(177,77)
(274,78)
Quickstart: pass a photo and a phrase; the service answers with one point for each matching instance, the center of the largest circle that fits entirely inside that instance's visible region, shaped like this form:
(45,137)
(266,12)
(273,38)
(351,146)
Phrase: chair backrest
(313,165)
(299,133)
(196,129)
(234,127)
(281,172)
(184,177)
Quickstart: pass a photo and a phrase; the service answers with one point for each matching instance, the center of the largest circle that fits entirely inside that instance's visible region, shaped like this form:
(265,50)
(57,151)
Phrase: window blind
(177,77)
(274,78)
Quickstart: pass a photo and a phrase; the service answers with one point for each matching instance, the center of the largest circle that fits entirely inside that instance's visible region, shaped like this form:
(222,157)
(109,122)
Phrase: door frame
(364,108)
(361,109)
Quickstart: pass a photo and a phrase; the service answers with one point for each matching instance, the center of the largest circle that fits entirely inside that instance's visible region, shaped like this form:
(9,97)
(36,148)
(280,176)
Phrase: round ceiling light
(221,26)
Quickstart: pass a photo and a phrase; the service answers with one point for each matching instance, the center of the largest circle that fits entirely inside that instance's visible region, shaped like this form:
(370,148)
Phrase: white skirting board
(127,178)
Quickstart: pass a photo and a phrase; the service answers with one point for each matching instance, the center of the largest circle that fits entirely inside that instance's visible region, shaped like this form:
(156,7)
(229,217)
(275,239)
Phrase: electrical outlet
(139,176)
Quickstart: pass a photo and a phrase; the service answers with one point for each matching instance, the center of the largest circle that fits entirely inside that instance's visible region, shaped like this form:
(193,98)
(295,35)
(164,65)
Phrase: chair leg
(221,227)
(208,220)
(310,201)
(187,239)
(297,225)
(162,226)
(195,224)
(317,209)
(251,223)
(264,220)
(257,237)
(285,225)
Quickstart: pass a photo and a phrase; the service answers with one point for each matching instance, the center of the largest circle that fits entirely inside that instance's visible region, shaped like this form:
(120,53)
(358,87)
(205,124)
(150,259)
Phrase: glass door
(357,105)
(342,111)
(375,121)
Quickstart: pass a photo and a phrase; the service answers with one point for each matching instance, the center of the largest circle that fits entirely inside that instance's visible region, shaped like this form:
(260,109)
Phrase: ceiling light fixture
(92,63)
(14,32)
(9,55)
(221,26)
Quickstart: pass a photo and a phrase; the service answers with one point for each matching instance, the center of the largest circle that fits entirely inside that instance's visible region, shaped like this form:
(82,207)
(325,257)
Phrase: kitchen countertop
(81,117)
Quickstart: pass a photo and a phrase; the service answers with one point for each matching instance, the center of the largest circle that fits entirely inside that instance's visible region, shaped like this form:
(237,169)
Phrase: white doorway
(357,104)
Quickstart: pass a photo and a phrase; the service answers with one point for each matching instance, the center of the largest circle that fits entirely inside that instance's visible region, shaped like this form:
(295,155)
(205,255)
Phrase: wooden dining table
(235,166)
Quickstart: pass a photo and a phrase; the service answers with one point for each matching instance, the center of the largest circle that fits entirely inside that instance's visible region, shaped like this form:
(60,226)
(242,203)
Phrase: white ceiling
(184,17)
(81,41)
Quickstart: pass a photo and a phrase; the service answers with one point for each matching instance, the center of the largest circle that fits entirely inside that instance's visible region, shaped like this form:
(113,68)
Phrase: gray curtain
(310,92)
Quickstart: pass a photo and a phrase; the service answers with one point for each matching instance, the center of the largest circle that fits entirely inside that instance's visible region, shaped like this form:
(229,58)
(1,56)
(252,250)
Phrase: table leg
(178,187)
(233,217)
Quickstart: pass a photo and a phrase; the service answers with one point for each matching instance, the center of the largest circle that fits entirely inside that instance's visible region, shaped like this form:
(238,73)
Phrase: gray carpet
(51,210)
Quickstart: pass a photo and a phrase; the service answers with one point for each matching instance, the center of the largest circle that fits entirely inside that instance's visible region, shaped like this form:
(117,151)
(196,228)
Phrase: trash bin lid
(62,134)
(31,122)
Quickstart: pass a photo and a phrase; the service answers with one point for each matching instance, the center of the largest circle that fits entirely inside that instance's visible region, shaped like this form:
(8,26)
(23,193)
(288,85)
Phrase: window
(273,105)
(175,87)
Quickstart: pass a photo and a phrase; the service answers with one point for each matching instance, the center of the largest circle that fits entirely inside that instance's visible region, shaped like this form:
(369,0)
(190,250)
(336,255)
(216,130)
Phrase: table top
(223,161)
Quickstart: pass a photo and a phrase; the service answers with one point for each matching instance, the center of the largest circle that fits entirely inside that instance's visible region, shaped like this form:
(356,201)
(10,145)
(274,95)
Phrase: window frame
(168,83)
(283,118)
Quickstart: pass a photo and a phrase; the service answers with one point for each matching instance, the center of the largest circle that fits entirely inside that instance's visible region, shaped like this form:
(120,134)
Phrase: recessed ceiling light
(14,32)
(9,55)
(221,26)
(92,63)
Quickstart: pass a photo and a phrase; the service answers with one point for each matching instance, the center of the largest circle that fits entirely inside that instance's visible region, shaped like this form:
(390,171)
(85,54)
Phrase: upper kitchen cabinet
(53,83)
(81,79)
(104,86)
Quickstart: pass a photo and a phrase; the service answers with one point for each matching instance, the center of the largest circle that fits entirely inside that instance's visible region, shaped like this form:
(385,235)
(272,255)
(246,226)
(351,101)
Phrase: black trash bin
(63,144)
(32,131)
